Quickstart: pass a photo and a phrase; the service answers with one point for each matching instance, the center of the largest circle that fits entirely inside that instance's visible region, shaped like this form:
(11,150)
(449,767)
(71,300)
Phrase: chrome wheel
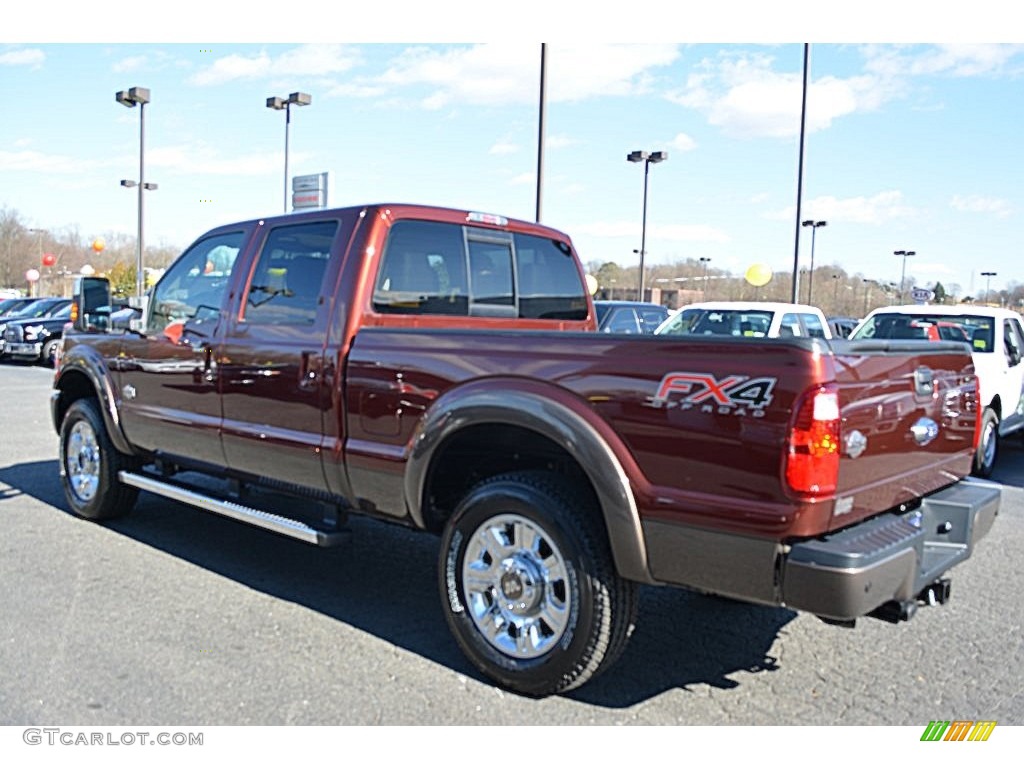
(82,461)
(516,586)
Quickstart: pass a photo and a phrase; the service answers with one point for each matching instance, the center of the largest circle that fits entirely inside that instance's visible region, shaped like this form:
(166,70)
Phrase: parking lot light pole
(903,271)
(704,263)
(638,156)
(810,273)
(988,276)
(131,98)
(279,102)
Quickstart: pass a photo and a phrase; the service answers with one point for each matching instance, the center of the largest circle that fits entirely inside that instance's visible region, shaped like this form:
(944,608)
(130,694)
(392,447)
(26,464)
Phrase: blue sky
(909,146)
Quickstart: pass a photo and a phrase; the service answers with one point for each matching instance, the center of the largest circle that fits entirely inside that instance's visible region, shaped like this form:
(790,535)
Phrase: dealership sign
(309,191)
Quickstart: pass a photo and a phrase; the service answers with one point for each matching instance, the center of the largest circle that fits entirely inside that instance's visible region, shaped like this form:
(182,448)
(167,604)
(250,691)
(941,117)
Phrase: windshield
(693,321)
(974,330)
(41,308)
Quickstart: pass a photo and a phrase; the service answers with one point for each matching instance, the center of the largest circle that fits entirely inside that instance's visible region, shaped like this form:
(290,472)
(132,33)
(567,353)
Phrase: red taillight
(812,461)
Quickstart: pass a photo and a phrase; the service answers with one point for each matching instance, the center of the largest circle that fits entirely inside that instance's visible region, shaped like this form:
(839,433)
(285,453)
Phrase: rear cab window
(719,322)
(441,268)
(976,330)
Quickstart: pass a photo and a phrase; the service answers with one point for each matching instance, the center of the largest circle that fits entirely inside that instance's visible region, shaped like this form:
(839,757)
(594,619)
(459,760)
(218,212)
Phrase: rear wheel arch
(516,432)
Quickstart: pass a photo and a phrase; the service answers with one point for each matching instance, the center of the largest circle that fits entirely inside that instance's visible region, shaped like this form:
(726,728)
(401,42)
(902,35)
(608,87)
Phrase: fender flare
(85,361)
(527,406)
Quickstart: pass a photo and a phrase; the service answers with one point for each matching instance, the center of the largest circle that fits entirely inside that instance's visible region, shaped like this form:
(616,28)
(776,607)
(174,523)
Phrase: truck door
(271,362)
(166,376)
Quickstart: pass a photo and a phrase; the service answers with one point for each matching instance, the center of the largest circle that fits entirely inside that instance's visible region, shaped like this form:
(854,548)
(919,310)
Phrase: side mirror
(90,309)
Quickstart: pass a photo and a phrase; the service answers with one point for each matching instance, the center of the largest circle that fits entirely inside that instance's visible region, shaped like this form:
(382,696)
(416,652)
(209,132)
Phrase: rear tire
(528,584)
(90,466)
(988,444)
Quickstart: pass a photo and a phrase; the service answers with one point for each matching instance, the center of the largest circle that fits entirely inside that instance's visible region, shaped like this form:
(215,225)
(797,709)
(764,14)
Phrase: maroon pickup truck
(441,369)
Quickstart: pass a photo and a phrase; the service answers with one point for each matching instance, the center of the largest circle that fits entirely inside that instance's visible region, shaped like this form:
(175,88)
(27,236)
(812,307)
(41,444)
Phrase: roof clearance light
(487,218)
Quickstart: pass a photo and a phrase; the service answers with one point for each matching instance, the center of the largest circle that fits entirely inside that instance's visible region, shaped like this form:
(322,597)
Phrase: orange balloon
(99,244)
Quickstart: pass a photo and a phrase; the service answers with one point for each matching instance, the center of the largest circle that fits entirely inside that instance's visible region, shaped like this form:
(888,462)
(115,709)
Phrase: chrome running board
(261,519)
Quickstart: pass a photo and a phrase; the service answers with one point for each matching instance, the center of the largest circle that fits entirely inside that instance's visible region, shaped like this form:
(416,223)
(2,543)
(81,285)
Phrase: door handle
(309,370)
(209,369)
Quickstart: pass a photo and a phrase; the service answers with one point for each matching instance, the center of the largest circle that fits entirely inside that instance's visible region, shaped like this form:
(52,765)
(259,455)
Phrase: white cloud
(877,209)
(30,160)
(689,233)
(559,142)
(130,64)
(203,160)
(746,96)
(957,60)
(503,148)
(506,73)
(979,204)
(683,143)
(309,60)
(26,57)
(357,90)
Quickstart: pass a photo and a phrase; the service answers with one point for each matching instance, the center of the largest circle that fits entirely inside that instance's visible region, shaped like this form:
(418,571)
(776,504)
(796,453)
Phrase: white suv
(996,337)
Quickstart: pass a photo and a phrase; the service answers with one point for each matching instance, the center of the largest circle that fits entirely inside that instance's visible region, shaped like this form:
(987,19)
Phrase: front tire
(528,584)
(90,466)
(48,355)
(988,444)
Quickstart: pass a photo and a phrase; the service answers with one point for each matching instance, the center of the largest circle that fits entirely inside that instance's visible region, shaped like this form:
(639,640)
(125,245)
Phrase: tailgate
(908,411)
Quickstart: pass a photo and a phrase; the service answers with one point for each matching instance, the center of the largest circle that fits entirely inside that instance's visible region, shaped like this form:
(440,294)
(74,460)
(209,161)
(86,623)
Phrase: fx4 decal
(734,394)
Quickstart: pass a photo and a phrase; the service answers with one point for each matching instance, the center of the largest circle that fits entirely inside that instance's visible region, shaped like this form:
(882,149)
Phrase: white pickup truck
(758,319)
(996,337)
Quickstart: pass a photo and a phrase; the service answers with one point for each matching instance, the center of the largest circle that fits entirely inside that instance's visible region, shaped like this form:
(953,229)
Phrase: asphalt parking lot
(175,616)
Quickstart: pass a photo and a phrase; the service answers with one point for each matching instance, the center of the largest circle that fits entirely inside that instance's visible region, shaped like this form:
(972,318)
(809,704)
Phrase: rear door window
(285,286)
(790,325)
(813,325)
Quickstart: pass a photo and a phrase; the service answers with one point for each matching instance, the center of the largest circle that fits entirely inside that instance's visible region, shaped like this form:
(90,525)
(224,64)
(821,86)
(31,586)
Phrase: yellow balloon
(592,285)
(759,274)
(99,244)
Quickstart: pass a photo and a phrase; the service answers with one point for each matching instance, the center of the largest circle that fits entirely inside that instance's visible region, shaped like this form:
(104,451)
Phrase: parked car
(629,316)
(842,327)
(36,339)
(37,308)
(10,306)
(996,337)
(751,319)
